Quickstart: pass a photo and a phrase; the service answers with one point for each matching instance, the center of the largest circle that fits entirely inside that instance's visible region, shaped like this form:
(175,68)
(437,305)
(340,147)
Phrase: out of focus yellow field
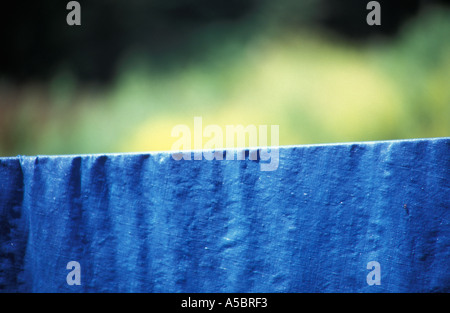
(316,90)
(316,87)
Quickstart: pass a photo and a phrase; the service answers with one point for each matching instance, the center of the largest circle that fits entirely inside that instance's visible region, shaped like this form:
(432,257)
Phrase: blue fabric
(148,223)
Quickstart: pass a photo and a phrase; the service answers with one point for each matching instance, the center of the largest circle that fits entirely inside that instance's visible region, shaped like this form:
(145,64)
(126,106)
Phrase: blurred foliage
(317,85)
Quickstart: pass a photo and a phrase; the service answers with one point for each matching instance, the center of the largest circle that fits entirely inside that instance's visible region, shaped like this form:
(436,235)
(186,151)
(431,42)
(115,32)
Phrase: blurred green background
(134,69)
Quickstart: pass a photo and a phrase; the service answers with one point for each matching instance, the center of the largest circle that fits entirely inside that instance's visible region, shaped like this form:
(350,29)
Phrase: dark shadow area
(37,42)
